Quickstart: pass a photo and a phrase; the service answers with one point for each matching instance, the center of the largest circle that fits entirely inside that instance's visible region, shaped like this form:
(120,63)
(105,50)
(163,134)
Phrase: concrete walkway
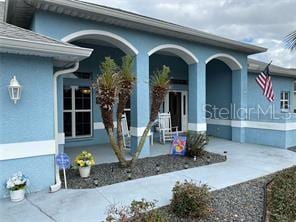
(245,162)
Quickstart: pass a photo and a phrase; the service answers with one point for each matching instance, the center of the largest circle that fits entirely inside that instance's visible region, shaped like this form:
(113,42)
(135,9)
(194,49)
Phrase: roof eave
(57,52)
(257,67)
(89,10)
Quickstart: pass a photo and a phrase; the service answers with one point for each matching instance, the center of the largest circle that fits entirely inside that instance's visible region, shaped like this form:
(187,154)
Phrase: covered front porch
(103,153)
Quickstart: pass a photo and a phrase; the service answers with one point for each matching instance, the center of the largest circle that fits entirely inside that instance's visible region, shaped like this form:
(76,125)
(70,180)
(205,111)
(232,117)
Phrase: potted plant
(17,186)
(84,161)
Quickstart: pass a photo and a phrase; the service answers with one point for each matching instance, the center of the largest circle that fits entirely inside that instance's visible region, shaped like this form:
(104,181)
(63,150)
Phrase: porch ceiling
(20,13)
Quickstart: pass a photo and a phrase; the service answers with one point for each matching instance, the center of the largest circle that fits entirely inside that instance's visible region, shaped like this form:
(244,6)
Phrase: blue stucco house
(54,48)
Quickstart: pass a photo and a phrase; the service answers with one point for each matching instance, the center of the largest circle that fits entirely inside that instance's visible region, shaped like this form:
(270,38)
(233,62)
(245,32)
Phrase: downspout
(58,184)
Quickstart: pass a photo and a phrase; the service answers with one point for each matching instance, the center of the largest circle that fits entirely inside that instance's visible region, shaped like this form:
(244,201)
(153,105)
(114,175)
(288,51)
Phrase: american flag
(264,81)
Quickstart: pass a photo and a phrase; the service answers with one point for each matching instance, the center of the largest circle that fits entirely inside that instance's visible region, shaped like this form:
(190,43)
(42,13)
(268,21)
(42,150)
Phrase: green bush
(282,204)
(196,143)
(138,211)
(190,200)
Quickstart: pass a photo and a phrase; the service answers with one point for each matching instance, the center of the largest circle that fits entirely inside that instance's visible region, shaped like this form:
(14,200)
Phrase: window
(77,112)
(285,97)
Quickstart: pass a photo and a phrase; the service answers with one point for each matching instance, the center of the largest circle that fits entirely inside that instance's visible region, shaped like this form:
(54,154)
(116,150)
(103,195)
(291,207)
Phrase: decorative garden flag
(264,81)
(178,145)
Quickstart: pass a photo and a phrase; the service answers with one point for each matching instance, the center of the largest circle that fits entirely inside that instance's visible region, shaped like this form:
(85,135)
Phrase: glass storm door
(176,104)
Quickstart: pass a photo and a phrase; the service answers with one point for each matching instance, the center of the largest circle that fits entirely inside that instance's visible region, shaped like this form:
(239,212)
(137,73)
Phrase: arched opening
(221,73)
(79,115)
(179,59)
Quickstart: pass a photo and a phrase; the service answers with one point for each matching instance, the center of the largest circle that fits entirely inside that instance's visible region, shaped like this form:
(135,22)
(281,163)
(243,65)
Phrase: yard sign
(63,161)
(178,145)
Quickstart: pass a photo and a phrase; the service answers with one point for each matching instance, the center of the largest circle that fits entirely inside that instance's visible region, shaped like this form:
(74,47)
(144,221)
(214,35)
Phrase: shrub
(196,143)
(138,211)
(282,203)
(190,200)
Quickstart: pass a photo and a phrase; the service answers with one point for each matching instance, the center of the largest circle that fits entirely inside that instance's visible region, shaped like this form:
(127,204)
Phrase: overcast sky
(260,22)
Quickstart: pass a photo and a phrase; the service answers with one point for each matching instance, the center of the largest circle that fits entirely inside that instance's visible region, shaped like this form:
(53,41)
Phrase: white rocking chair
(125,132)
(166,128)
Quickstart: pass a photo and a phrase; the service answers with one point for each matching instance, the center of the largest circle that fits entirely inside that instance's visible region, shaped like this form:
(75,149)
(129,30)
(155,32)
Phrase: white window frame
(73,112)
(284,99)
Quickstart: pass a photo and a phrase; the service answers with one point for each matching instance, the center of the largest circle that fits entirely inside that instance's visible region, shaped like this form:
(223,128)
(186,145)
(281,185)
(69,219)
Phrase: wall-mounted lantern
(15,90)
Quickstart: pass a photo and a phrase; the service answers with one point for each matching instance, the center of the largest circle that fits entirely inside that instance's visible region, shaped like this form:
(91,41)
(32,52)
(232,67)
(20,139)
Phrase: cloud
(264,22)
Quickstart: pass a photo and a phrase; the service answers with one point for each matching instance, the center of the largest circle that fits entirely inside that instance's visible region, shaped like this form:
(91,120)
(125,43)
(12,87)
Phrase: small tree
(114,86)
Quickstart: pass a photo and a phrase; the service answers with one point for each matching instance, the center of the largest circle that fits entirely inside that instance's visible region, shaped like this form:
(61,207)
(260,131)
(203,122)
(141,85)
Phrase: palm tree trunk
(141,143)
(119,154)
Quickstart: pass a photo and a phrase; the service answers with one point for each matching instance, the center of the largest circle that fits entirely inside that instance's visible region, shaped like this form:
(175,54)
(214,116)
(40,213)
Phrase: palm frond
(290,41)
(127,68)
(160,78)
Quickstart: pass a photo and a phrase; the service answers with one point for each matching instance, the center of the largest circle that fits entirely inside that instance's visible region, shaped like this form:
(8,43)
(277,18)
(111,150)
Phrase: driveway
(244,162)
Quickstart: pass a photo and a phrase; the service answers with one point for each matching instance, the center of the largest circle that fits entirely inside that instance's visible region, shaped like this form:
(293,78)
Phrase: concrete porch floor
(103,153)
(244,162)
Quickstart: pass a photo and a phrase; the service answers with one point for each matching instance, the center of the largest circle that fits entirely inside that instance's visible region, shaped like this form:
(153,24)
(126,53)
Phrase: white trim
(254,124)
(26,149)
(138,131)
(57,51)
(232,62)
(223,122)
(100,125)
(198,127)
(125,45)
(184,53)
(61,138)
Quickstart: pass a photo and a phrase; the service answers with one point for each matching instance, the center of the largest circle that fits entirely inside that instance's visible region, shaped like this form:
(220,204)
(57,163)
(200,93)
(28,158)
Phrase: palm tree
(115,83)
(106,87)
(125,90)
(290,40)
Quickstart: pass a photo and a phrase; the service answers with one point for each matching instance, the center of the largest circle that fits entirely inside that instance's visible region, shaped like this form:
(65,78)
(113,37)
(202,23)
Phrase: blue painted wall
(255,96)
(218,94)
(179,68)
(39,170)
(46,23)
(31,119)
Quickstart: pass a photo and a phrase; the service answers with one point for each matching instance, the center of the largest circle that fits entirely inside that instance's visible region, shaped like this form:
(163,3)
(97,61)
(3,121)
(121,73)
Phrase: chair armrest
(175,127)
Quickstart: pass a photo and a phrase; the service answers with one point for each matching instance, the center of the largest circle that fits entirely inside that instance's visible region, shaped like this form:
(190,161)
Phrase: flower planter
(17,195)
(84,171)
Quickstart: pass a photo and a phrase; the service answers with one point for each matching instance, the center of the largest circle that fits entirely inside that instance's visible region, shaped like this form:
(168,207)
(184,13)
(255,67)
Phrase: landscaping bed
(110,173)
(242,202)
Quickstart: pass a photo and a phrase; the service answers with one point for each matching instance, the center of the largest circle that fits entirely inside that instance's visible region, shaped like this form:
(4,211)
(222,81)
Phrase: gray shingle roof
(14,32)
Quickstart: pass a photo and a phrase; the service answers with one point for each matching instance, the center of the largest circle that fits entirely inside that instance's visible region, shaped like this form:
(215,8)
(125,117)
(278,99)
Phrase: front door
(176,104)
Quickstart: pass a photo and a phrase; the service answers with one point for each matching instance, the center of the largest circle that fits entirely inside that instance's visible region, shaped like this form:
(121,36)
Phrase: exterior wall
(46,23)
(218,94)
(27,128)
(279,84)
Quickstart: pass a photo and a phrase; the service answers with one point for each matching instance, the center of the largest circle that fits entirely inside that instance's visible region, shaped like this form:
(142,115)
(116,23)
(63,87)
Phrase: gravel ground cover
(241,202)
(110,173)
